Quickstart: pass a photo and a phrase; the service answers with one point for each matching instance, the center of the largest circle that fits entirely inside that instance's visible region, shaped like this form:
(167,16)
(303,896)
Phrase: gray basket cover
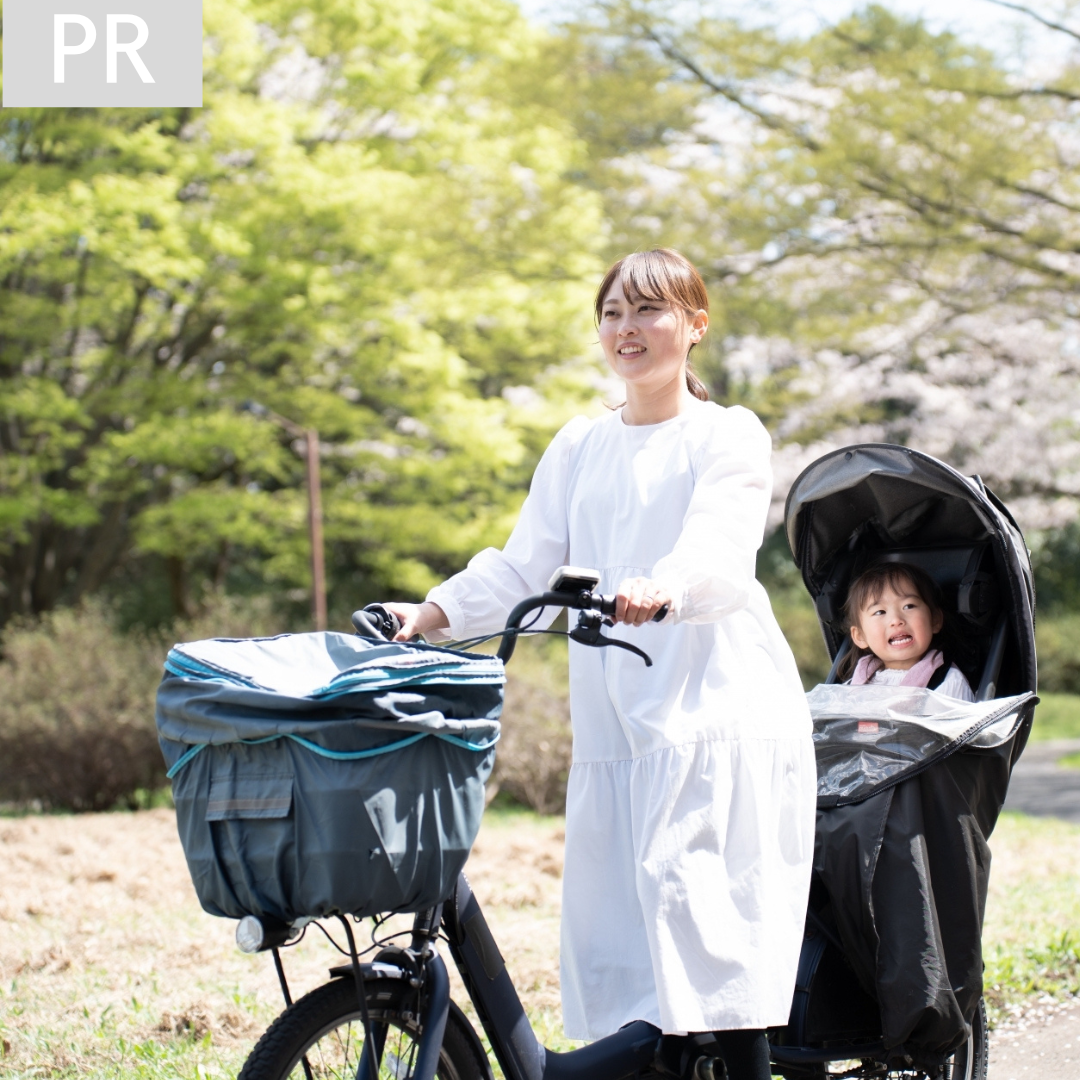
(317,773)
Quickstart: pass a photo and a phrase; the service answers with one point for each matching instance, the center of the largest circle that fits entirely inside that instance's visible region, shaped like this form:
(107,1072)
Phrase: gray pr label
(102,53)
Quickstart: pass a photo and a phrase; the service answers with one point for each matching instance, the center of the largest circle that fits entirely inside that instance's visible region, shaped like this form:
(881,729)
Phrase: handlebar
(579,601)
(375,621)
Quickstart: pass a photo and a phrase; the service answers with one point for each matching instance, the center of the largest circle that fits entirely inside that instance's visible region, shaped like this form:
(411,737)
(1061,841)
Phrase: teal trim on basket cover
(341,755)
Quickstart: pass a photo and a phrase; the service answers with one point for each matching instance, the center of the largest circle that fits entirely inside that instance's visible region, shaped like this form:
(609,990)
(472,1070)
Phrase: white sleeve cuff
(452,609)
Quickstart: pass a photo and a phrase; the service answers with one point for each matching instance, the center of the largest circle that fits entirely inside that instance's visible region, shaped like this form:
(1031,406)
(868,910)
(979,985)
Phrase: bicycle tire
(325,1027)
(970,1061)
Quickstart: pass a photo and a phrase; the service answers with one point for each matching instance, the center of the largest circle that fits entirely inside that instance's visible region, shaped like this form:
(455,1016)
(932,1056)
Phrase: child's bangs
(901,578)
(889,577)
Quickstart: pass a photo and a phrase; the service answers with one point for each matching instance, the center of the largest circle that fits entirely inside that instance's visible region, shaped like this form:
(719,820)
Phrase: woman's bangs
(647,279)
(659,275)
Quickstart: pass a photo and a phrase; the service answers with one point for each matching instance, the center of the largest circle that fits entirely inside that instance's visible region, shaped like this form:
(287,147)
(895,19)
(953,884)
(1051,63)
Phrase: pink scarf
(916,675)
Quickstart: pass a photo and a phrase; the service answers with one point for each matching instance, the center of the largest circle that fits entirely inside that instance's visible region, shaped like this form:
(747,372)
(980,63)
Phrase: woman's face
(646,342)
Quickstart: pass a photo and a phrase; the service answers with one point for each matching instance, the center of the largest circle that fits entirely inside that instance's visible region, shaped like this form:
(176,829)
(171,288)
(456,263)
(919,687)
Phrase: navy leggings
(745,1053)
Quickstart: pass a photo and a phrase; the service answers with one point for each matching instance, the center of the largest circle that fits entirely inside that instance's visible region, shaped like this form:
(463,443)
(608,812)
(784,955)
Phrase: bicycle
(392,1017)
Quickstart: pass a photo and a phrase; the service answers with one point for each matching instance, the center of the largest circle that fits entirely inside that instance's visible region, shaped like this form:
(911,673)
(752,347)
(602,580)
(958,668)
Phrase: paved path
(1043,1044)
(1042,787)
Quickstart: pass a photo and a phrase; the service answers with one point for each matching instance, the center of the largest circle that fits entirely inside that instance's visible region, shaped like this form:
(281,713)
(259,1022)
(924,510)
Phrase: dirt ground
(1043,1042)
(103,943)
(105,955)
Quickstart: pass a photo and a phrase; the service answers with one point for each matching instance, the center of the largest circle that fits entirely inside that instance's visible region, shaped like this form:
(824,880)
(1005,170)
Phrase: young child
(895,614)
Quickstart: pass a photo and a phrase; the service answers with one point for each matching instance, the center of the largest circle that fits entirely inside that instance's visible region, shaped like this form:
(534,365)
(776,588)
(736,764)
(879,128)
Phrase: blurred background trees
(387,223)
(368,229)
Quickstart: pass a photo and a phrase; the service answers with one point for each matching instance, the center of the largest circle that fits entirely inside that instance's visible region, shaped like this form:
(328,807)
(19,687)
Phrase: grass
(1031,937)
(1057,716)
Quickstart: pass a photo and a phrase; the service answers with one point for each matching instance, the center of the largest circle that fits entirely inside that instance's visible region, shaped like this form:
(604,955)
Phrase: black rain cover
(901,858)
(909,787)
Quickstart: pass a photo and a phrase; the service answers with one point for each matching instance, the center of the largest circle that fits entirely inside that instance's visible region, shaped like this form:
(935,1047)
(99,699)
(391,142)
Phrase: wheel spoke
(324,1027)
(338,1054)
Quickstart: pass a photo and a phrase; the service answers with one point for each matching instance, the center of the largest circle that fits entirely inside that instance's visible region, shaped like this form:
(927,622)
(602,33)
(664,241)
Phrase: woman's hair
(660,274)
(869,586)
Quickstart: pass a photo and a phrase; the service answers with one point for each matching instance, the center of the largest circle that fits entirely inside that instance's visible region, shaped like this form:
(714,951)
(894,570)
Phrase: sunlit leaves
(371,229)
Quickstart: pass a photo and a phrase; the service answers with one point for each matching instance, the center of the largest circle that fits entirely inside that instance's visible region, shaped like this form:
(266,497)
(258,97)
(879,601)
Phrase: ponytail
(694,384)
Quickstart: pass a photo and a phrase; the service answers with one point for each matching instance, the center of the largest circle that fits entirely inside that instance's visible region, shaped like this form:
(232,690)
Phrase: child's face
(646,342)
(897,627)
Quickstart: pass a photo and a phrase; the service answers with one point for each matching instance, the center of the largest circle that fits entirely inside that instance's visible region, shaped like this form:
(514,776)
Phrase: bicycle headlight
(255,934)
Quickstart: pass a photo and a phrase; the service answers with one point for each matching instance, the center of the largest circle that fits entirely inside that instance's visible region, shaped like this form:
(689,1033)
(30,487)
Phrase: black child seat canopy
(910,783)
(874,502)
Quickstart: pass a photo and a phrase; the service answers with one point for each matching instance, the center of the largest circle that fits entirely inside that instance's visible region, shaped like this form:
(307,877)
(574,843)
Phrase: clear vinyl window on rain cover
(868,738)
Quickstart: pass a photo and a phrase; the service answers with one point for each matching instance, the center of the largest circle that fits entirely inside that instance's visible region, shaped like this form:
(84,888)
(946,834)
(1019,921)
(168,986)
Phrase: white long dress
(690,804)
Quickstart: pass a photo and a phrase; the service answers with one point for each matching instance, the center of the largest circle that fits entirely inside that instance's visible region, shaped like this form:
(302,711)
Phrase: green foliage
(1055,559)
(793,608)
(1030,946)
(878,209)
(1057,716)
(368,229)
(1049,969)
(536,747)
(77,713)
(856,170)
(1057,647)
(798,620)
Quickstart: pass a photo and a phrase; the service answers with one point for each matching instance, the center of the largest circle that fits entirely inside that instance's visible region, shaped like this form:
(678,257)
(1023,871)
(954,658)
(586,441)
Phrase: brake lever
(587,632)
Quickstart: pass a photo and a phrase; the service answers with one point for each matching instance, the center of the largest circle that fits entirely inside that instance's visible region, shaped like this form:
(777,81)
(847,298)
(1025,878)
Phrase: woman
(690,803)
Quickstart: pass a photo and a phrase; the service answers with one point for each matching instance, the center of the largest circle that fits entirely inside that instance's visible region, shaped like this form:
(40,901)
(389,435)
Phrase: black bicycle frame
(629,1052)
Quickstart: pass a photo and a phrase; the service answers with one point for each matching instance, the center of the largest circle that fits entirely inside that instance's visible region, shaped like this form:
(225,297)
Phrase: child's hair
(869,586)
(660,274)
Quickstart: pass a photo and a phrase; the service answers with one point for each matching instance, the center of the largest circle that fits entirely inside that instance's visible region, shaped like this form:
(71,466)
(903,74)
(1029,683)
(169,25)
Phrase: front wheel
(321,1037)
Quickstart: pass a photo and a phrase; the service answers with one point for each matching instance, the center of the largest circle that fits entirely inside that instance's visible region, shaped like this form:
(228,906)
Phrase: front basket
(354,786)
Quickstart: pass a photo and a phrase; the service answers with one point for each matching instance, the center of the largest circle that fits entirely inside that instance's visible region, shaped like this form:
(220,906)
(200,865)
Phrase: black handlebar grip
(376,622)
(607,607)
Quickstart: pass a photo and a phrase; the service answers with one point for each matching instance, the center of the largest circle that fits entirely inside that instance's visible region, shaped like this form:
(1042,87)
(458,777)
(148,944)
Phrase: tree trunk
(178,586)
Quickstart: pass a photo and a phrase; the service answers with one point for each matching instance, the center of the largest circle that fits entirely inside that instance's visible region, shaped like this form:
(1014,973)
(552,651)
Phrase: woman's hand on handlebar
(638,599)
(418,619)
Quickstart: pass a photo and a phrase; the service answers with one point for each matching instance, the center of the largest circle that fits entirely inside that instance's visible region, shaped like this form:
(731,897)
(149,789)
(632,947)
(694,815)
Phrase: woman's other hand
(638,599)
(418,619)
